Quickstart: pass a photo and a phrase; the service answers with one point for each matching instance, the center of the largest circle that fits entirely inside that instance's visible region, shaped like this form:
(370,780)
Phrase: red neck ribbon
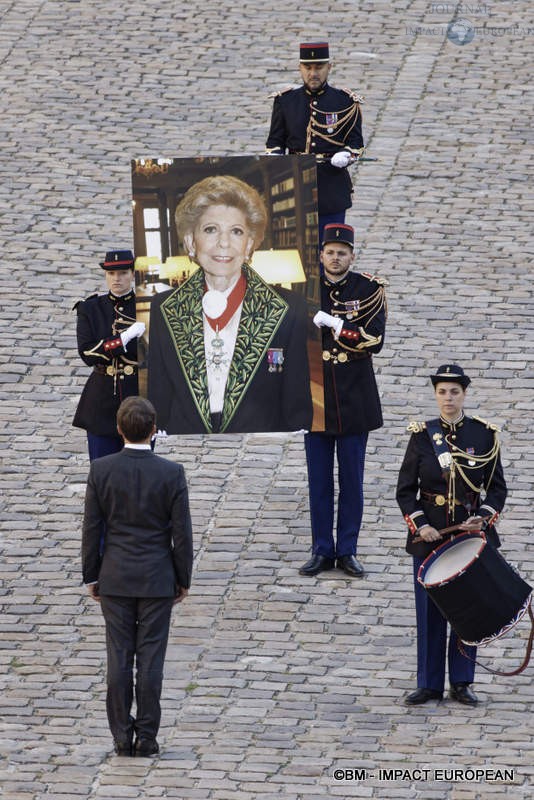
(234,300)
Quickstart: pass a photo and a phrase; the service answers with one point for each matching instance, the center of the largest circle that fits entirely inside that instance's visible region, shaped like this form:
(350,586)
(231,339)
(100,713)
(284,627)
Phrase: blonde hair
(221,190)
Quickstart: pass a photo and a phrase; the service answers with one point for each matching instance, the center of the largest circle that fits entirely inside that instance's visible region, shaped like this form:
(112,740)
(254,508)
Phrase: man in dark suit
(144,569)
(353,322)
(320,119)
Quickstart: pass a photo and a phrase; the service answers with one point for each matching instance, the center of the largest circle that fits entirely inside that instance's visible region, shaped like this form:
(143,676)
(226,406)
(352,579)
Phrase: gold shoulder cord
(479,461)
(363,315)
(345,117)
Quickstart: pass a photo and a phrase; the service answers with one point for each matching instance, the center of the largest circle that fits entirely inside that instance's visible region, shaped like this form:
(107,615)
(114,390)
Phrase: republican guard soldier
(327,122)
(451,474)
(353,320)
(107,334)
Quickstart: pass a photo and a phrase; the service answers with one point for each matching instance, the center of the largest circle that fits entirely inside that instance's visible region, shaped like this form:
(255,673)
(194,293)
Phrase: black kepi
(450,373)
(118,259)
(314,52)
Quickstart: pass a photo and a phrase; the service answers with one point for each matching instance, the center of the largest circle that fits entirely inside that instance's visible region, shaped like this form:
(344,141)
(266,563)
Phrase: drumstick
(443,531)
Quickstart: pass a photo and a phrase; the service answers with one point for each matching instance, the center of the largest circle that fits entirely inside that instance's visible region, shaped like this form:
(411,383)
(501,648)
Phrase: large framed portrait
(227,283)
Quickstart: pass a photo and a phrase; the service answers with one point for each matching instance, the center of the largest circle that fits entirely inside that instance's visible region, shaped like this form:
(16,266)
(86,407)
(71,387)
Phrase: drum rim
(505,628)
(431,557)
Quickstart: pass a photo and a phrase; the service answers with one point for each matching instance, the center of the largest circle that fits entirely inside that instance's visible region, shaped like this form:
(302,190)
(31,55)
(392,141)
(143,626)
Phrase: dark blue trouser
(103,445)
(432,644)
(350,448)
(106,445)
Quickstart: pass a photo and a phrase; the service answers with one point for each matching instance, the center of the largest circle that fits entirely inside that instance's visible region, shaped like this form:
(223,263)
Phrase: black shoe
(351,566)
(122,748)
(316,564)
(146,748)
(464,694)
(421,696)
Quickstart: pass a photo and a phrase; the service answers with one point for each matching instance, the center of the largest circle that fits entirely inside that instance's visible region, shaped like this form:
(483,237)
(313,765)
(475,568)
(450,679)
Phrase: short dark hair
(136,418)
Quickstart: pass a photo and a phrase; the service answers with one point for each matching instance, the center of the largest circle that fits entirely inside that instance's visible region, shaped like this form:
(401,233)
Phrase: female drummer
(449,463)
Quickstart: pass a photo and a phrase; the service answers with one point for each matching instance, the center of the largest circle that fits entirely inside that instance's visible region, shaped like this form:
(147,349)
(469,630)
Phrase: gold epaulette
(416,427)
(375,278)
(489,425)
(358,98)
(279,92)
(77,303)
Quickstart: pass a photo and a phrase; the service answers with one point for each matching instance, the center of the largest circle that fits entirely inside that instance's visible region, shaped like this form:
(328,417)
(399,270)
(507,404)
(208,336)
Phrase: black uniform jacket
(143,501)
(352,403)
(324,122)
(257,397)
(422,486)
(100,319)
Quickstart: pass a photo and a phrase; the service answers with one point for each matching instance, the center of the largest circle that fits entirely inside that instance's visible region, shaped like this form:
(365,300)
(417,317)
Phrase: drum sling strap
(526,659)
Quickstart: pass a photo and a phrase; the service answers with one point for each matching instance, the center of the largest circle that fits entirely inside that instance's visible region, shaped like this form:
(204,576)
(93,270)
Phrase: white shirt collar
(132,446)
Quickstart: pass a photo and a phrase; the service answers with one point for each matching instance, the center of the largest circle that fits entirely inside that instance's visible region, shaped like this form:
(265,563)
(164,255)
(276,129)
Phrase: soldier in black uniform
(353,319)
(107,336)
(317,118)
(449,461)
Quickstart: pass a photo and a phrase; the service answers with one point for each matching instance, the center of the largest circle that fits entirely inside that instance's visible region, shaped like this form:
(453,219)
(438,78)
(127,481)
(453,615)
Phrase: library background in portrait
(287,257)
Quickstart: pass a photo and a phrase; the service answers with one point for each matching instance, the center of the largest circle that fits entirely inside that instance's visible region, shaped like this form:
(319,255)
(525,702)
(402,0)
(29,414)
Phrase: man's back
(142,500)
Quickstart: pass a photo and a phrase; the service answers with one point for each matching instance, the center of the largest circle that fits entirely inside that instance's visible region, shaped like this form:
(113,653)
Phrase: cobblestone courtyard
(273,681)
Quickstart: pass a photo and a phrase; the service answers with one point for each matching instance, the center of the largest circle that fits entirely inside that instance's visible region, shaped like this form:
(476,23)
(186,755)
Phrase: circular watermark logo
(460,32)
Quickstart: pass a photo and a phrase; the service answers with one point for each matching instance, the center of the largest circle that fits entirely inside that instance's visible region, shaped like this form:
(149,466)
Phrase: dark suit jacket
(143,501)
(256,398)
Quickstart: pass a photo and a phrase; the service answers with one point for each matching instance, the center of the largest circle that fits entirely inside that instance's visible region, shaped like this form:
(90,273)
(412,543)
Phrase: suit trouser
(350,448)
(432,644)
(135,628)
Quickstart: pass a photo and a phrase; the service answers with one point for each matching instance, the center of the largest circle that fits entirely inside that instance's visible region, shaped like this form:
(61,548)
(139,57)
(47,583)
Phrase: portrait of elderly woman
(227,351)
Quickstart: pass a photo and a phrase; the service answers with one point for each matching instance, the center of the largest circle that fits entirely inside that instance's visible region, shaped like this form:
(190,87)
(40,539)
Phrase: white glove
(134,331)
(341,159)
(324,320)
(159,435)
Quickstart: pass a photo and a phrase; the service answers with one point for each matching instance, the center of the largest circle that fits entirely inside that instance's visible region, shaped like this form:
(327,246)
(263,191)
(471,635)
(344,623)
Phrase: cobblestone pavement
(273,681)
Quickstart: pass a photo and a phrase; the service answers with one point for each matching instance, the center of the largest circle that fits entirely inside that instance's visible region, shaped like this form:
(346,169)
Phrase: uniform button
(313,144)
(121,308)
